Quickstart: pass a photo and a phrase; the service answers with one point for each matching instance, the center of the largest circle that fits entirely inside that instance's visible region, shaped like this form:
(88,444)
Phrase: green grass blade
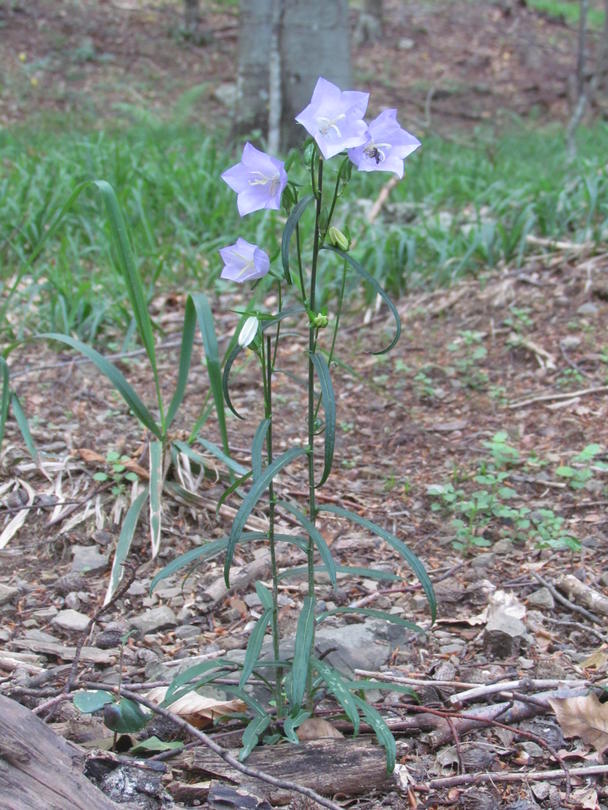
(215,451)
(291,722)
(5,398)
(339,689)
(156,488)
(382,731)
(232,488)
(230,358)
(374,614)
(123,546)
(329,406)
(288,230)
(408,555)
(214,369)
(126,262)
(316,536)
(302,652)
(252,498)
(256,726)
(23,426)
(185,357)
(114,376)
(254,645)
(377,288)
(264,595)
(257,446)
(194,673)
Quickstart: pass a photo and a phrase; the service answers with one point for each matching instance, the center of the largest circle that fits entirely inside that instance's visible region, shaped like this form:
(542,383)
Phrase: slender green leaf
(254,645)
(185,356)
(316,536)
(5,397)
(230,358)
(252,498)
(288,230)
(412,560)
(339,689)
(329,406)
(155,745)
(114,376)
(214,370)
(257,447)
(291,723)
(382,731)
(264,595)
(372,613)
(126,260)
(377,288)
(189,677)
(123,546)
(232,488)
(302,652)
(214,450)
(156,488)
(256,726)
(23,425)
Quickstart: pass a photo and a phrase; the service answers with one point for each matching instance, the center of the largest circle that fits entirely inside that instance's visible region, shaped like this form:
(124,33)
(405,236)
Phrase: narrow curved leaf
(125,539)
(114,376)
(339,689)
(5,397)
(329,406)
(373,614)
(408,555)
(264,595)
(232,488)
(190,676)
(156,488)
(126,262)
(382,731)
(254,645)
(232,355)
(214,369)
(185,356)
(252,498)
(288,230)
(291,722)
(316,536)
(377,288)
(257,447)
(23,425)
(302,652)
(214,450)
(251,735)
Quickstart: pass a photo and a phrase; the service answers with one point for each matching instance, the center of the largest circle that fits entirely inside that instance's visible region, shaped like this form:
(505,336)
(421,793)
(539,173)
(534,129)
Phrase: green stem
(267,368)
(330,356)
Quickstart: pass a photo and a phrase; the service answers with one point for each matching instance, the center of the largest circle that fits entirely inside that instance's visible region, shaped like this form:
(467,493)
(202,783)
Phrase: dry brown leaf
(199,711)
(597,660)
(316,728)
(583,717)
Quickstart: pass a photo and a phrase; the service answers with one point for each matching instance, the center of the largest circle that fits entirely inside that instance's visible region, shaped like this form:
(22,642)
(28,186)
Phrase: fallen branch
(583,392)
(566,602)
(510,686)
(501,776)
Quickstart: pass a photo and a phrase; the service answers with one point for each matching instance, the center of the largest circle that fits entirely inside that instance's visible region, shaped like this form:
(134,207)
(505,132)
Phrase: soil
(522,351)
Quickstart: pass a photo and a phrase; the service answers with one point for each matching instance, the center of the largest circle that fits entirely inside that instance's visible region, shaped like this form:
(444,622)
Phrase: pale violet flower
(258,179)
(335,118)
(387,146)
(244,261)
(248,332)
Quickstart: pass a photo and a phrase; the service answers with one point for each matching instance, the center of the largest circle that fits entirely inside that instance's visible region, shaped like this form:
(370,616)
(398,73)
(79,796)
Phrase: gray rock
(72,600)
(503,635)
(7,593)
(137,589)
(570,342)
(154,620)
(484,560)
(542,598)
(71,620)
(588,308)
(46,614)
(187,631)
(227,94)
(88,560)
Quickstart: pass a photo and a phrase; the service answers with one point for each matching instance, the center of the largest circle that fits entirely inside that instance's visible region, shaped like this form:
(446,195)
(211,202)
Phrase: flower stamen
(325,124)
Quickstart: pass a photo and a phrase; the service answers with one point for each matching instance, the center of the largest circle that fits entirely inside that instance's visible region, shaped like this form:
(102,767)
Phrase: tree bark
(370,25)
(255,40)
(315,42)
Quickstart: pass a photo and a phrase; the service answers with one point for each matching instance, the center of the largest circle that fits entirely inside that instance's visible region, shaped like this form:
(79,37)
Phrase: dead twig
(501,776)
(583,392)
(566,602)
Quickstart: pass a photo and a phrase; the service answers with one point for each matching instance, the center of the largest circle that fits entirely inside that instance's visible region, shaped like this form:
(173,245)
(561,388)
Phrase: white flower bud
(249,331)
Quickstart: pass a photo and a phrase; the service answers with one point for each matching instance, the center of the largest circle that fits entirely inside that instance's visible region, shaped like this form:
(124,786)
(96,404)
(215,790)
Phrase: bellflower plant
(334,119)
(258,179)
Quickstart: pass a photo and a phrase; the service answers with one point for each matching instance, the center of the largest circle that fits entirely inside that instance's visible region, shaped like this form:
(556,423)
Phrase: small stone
(102,537)
(71,620)
(88,560)
(154,620)
(570,342)
(532,749)
(588,308)
(7,593)
(504,546)
(187,631)
(227,94)
(108,639)
(542,598)
(69,582)
(405,44)
(484,560)
(72,601)
(252,600)
(46,614)
(167,591)
(137,589)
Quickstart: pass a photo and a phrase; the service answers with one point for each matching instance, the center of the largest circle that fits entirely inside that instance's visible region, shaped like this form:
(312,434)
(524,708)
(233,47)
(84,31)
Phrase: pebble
(7,593)
(138,588)
(89,560)
(484,560)
(71,620)
(187,631)
(72,601)
(588,308)
(542,598)
(160,618)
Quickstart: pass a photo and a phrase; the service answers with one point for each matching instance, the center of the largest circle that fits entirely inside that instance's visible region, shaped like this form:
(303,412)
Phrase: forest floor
(495,396)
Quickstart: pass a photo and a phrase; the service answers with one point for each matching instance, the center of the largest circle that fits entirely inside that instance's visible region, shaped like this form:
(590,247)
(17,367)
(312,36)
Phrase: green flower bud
(337,238)
(319,320)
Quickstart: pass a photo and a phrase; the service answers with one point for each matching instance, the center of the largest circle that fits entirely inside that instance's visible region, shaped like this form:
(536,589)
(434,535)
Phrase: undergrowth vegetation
(467,206)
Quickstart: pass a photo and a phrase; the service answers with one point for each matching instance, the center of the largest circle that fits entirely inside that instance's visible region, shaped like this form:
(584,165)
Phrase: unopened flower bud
(319,320)
(337,238)
(249,331)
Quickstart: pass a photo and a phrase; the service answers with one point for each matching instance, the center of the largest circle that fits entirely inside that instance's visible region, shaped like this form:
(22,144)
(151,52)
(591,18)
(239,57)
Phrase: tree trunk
(191,16)
(314,42)
(255,39)
(370,25)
